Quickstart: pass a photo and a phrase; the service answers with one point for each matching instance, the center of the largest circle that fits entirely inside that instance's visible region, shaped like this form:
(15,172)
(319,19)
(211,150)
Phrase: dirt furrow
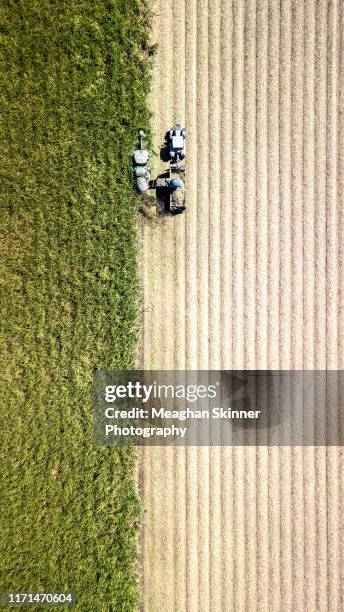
(191,302)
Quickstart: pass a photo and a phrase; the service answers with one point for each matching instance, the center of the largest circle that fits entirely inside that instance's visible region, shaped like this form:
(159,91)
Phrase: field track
(250,277)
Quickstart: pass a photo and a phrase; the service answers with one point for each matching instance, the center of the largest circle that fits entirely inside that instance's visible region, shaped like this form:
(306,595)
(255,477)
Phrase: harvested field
(250,277)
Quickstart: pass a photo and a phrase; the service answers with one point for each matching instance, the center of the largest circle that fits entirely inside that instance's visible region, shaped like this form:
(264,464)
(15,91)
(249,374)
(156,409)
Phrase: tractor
(177,144)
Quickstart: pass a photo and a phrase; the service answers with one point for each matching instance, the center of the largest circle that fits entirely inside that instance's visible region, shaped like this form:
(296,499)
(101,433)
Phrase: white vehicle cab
(177,144)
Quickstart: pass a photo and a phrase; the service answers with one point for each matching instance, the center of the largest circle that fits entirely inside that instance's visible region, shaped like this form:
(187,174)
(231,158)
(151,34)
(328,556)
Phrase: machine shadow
(165,148)
(162,195)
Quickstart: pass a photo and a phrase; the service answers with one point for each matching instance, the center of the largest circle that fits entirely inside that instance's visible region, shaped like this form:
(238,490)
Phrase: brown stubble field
(250,277)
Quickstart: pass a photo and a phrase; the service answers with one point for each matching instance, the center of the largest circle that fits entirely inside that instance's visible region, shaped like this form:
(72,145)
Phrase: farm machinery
(177,144)
(175,182)
(141,163)
(169,187)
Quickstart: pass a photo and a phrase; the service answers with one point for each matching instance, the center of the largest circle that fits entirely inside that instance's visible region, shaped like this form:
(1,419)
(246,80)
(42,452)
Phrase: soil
(250,276)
